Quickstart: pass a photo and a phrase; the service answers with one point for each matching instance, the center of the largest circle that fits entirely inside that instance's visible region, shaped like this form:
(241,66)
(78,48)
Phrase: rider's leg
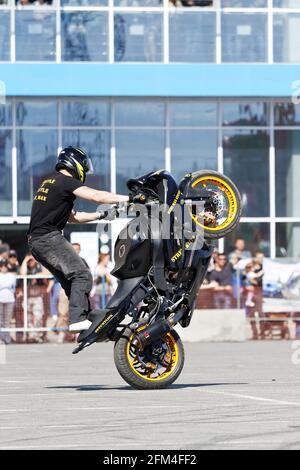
(81,285)
(59,257)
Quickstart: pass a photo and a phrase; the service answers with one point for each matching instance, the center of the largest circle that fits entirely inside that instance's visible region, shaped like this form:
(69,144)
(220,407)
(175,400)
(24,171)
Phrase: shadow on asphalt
(95,388)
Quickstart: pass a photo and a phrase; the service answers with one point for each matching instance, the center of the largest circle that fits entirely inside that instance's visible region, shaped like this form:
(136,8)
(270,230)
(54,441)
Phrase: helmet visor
(90,167)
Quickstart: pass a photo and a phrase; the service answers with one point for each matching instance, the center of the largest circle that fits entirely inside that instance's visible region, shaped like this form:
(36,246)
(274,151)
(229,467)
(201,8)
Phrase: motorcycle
(160,273)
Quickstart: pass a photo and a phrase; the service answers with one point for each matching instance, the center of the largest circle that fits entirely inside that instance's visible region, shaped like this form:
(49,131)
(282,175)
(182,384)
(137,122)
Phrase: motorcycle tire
(228,195)
(126,357)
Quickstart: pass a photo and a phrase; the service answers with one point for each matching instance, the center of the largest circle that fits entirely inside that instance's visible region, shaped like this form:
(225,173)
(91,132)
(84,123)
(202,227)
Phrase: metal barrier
(33,318)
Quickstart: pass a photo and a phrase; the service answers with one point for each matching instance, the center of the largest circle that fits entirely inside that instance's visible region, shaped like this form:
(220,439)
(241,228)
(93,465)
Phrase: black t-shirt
(53,204)
(224,277)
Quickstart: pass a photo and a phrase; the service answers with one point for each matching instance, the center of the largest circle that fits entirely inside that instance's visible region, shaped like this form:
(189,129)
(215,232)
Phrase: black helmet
(75,161)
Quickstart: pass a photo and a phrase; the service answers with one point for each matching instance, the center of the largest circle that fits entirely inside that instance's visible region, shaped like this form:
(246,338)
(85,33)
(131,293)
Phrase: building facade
(146,84)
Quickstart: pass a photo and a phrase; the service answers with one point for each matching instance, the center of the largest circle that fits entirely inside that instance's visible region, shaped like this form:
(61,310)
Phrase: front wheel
(155,367)
(222,214)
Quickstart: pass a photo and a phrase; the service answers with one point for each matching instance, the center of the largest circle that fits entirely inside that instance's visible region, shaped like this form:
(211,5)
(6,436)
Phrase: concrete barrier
(215,325)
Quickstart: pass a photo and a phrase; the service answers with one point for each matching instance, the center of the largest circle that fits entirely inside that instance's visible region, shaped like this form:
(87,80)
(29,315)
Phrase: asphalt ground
(229,396)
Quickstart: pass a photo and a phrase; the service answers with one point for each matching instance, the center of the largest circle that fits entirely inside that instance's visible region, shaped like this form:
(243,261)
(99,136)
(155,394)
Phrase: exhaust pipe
(148,336)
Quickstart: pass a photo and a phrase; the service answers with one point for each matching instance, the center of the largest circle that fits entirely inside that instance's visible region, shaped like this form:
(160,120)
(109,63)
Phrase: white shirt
(7,288)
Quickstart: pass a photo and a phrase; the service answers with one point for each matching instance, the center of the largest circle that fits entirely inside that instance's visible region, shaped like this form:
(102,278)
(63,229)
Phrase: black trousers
(57,255)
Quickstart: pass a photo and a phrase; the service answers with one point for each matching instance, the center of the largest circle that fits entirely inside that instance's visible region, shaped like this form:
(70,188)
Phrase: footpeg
(83,345)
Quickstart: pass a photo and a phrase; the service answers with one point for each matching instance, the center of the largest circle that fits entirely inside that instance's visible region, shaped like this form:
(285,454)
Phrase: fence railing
(40,313)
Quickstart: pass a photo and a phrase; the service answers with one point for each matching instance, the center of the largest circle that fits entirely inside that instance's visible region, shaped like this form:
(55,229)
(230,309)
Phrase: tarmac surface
(229,396)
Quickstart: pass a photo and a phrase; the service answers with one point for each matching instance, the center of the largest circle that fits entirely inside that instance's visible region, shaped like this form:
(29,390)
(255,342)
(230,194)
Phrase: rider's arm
(83,217)
(99,197)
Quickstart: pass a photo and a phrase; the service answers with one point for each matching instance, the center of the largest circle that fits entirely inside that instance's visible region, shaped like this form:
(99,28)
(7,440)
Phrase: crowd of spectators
(236,279)
(233,280)
(47,304)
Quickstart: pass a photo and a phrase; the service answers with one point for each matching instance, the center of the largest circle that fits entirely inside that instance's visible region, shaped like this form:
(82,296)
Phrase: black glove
(137,198)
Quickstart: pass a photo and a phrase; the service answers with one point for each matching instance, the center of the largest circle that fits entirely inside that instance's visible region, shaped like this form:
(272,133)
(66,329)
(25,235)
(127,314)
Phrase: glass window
(244,3)
(287,114)
(37,152)
(193,150)
(6,114)
(139,113)
(97,146)
(138,37)
(36,113)
(286,3)
(244,153)
(5,173)
(138,3)
(4,35)
(138,152)
(191,3)
(256,236)
(286,37)
(245,114)
(244,37)
(35,35)
(35,3)
(85,113)
(287,145)
(84,36)
(288,240)
(84,3)
(192,113)
(192,37)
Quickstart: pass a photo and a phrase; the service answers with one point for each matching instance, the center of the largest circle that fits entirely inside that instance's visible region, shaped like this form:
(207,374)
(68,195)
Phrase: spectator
(13,263)
(221,280)
(35,296)
(53,290)
(77,248)
(4,250)
(239,252)
(104,284)
(253,288)
(7,299)
(212,263)
(253,280)
(23,3)
(259,256)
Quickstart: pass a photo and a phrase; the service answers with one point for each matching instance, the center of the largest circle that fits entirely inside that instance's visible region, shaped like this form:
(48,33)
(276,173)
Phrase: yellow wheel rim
(171,355)
(230,196)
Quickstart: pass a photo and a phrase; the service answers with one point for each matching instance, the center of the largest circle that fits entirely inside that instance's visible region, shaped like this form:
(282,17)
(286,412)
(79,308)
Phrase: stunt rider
(51,210)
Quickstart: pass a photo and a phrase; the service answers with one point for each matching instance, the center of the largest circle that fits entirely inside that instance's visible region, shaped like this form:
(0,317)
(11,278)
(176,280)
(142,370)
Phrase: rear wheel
(155,367)
(222,216)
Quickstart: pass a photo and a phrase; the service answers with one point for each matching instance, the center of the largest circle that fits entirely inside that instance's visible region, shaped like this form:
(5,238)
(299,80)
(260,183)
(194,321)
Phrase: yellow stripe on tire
(163,376)
(233,205)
